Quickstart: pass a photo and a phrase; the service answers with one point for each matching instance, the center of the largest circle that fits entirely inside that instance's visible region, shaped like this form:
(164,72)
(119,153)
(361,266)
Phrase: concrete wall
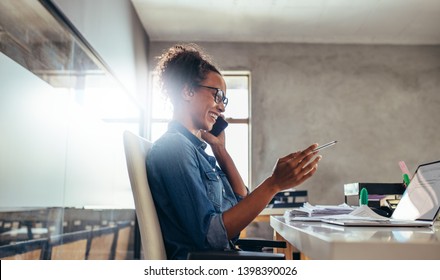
(382,103)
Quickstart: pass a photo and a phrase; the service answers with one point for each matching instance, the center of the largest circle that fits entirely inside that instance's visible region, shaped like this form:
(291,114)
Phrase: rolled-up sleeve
(217,236)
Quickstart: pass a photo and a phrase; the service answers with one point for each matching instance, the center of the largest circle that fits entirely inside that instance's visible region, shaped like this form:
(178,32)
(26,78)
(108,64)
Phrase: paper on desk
(359,213)
(309,210)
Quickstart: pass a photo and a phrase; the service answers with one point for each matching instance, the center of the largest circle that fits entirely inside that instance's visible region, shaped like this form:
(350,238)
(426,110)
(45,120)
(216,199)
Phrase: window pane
(162,108)
(237,81)
(237,143)
(238,95)
(238,106)
(237,134)
(157,129)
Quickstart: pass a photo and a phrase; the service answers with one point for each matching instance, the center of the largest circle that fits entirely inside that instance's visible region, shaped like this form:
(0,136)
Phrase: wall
(380,102)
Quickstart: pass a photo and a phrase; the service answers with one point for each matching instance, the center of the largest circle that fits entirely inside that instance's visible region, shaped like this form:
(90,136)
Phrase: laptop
(418,207)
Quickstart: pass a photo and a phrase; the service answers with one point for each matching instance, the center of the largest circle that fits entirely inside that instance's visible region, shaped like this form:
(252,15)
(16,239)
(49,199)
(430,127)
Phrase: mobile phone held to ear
(219,126)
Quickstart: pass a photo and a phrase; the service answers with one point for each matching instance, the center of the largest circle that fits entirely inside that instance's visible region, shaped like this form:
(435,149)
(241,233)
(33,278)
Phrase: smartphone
(329,144)
(219,126)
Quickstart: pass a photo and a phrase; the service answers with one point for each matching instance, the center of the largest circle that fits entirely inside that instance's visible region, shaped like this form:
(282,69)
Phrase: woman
(202,201)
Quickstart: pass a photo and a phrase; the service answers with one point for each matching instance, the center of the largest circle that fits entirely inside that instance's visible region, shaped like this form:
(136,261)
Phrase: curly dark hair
(182,65)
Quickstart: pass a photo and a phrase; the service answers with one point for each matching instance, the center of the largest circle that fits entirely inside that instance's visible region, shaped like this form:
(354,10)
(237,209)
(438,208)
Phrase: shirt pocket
(214,189)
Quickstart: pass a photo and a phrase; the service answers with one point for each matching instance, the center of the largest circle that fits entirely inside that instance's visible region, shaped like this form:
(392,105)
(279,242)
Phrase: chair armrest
(256,245)
(233,255)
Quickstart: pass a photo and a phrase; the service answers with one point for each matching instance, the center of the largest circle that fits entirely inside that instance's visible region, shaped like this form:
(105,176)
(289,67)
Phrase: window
(237,114)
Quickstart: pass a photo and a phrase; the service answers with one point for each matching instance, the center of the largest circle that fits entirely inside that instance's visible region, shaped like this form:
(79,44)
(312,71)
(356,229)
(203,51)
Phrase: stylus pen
(325,146)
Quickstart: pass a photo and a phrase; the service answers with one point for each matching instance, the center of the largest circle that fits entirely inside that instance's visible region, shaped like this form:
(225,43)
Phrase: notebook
(418,207)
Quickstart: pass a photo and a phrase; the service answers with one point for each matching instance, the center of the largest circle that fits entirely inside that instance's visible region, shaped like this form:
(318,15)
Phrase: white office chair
(136,149)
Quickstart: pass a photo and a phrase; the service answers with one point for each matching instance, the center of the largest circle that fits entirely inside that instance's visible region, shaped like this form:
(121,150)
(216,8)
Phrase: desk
(318,240)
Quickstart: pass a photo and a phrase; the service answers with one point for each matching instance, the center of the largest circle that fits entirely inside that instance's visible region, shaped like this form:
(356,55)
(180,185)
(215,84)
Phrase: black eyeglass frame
(219,95)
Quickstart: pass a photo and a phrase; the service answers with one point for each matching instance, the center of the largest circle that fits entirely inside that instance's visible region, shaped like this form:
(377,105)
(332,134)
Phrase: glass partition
(62,114)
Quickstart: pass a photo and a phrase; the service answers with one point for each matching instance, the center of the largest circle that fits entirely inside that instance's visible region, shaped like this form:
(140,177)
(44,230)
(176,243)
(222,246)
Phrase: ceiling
(301,21)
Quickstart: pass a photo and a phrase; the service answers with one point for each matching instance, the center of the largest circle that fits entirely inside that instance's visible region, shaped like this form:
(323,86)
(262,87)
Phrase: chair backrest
(136,149)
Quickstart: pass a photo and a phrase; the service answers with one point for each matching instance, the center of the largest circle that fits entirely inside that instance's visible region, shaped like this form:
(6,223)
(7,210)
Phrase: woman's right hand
(294,169)
(290,171)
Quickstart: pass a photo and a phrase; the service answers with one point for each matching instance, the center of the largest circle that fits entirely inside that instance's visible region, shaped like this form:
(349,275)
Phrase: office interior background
(364,73)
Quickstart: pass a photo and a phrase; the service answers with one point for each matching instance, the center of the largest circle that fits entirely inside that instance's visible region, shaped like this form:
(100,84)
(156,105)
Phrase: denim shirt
(190,193)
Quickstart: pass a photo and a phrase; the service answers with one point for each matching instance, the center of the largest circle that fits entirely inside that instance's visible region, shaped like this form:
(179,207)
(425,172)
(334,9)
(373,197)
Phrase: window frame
(247,121)
(244,121)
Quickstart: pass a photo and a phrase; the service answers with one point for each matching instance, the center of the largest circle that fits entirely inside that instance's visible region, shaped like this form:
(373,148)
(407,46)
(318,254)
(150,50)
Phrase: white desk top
(318,240)
(274,211)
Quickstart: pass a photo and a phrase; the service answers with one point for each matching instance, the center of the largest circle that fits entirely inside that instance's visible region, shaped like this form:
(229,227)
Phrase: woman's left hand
(213,141)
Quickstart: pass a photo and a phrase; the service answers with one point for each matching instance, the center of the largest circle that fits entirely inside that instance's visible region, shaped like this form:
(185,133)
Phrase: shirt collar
(175,125)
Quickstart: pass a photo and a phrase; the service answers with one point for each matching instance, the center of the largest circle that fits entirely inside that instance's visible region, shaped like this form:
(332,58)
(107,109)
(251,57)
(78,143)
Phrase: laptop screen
(421,199)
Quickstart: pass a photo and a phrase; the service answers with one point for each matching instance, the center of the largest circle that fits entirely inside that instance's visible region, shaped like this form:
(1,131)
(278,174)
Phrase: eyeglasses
(219,95)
